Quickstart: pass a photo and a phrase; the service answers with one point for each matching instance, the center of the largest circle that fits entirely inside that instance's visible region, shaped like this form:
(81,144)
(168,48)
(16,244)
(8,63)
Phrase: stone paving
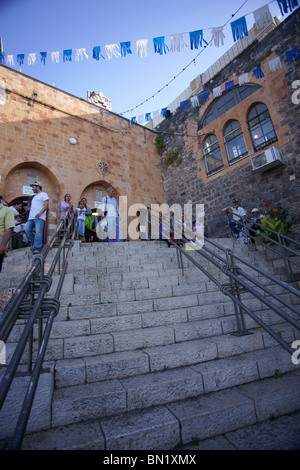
(282,433)
(142,357)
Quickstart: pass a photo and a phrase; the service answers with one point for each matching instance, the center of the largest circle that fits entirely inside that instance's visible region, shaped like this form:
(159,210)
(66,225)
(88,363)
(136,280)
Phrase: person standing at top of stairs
(110,204)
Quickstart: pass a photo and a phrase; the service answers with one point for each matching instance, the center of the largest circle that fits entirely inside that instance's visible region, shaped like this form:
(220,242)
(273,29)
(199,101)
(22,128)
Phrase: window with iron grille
(212,155)
(260,126)
(227,101)
(234,141)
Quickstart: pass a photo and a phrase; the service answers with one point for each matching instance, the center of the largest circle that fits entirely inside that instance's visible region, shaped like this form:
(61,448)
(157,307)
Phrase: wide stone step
(108,397)
(163,427)
(91,330)
(137,363)
(105,343)
(129,305)
(96,367)
(193,311)
(81,338)
(134,336)
(231,409)
(40,416)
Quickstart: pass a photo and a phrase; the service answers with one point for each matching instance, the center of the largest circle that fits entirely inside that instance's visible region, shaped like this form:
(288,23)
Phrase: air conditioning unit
(267,159)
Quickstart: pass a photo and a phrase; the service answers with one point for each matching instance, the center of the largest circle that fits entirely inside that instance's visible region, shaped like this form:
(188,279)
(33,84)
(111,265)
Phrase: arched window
(228,100)
(212,154)
(234,141)
(260,126)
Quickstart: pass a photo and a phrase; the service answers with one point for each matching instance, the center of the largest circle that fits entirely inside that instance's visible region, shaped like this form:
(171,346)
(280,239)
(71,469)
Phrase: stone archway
(17,186)
(95,191)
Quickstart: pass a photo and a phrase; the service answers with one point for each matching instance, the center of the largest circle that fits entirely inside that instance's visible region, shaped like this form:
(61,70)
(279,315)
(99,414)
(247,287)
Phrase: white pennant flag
(111,50)
(217,91)
(10,60)
(55,57)
(31,58)
(262,17)
(217,35)
(194,101)
(80,53)
(141,47)
(275,64)
(177,43)
(243,79)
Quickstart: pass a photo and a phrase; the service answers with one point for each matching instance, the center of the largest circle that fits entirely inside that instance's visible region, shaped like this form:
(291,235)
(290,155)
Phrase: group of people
(27,225)
(82,211)
(109,227)
(237,224)
(12,222)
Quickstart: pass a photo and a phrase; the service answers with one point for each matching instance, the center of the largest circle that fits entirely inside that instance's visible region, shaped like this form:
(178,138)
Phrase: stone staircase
(143,355)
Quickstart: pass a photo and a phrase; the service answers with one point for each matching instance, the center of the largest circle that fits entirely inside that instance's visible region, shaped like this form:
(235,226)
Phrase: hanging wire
(193,61)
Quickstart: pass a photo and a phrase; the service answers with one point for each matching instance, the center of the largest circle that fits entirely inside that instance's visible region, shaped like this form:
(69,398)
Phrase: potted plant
(274,219)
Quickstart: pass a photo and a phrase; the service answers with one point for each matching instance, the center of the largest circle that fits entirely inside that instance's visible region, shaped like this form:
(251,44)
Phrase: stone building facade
(207,151)
(71,145)
(80,147)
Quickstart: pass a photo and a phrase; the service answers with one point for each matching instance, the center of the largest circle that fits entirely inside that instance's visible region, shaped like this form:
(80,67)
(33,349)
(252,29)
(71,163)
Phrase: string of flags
(262,17)
(239,29)
(275,64)
(111,50)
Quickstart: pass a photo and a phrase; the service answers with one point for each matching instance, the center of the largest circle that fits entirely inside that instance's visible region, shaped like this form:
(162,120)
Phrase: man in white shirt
(37,216)
(109,204)
(238,214)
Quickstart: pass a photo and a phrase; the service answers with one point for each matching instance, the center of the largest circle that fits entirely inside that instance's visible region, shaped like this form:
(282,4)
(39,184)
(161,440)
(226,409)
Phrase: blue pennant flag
(164,112)
(205,96)
(293,4)
(196,38)
(2,59)
(20,59)
(159,45)
(229,85)
(292,54)
(67,55)
(184,104)
(239,28)
(96,52)
(285,5)
(148,117)
(258,73)
(133,120)
(43,57)
(125,48)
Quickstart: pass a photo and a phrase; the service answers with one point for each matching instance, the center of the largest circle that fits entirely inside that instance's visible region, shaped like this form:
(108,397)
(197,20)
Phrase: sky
(28,26)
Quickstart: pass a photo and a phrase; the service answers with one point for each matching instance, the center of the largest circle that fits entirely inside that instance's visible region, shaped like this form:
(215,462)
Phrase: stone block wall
(186,180)
(36,124)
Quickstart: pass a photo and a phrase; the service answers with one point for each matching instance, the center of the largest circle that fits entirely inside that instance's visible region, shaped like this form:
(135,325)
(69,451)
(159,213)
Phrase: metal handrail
(29,302)
(281,243)
(36,275)
(236,285)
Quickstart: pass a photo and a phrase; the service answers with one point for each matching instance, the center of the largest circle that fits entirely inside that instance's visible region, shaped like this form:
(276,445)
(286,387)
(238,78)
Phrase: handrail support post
(235,288)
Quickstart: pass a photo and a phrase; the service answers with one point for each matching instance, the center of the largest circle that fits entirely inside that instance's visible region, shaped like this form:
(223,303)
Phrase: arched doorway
(17,188)
(25,200)
(95,191)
